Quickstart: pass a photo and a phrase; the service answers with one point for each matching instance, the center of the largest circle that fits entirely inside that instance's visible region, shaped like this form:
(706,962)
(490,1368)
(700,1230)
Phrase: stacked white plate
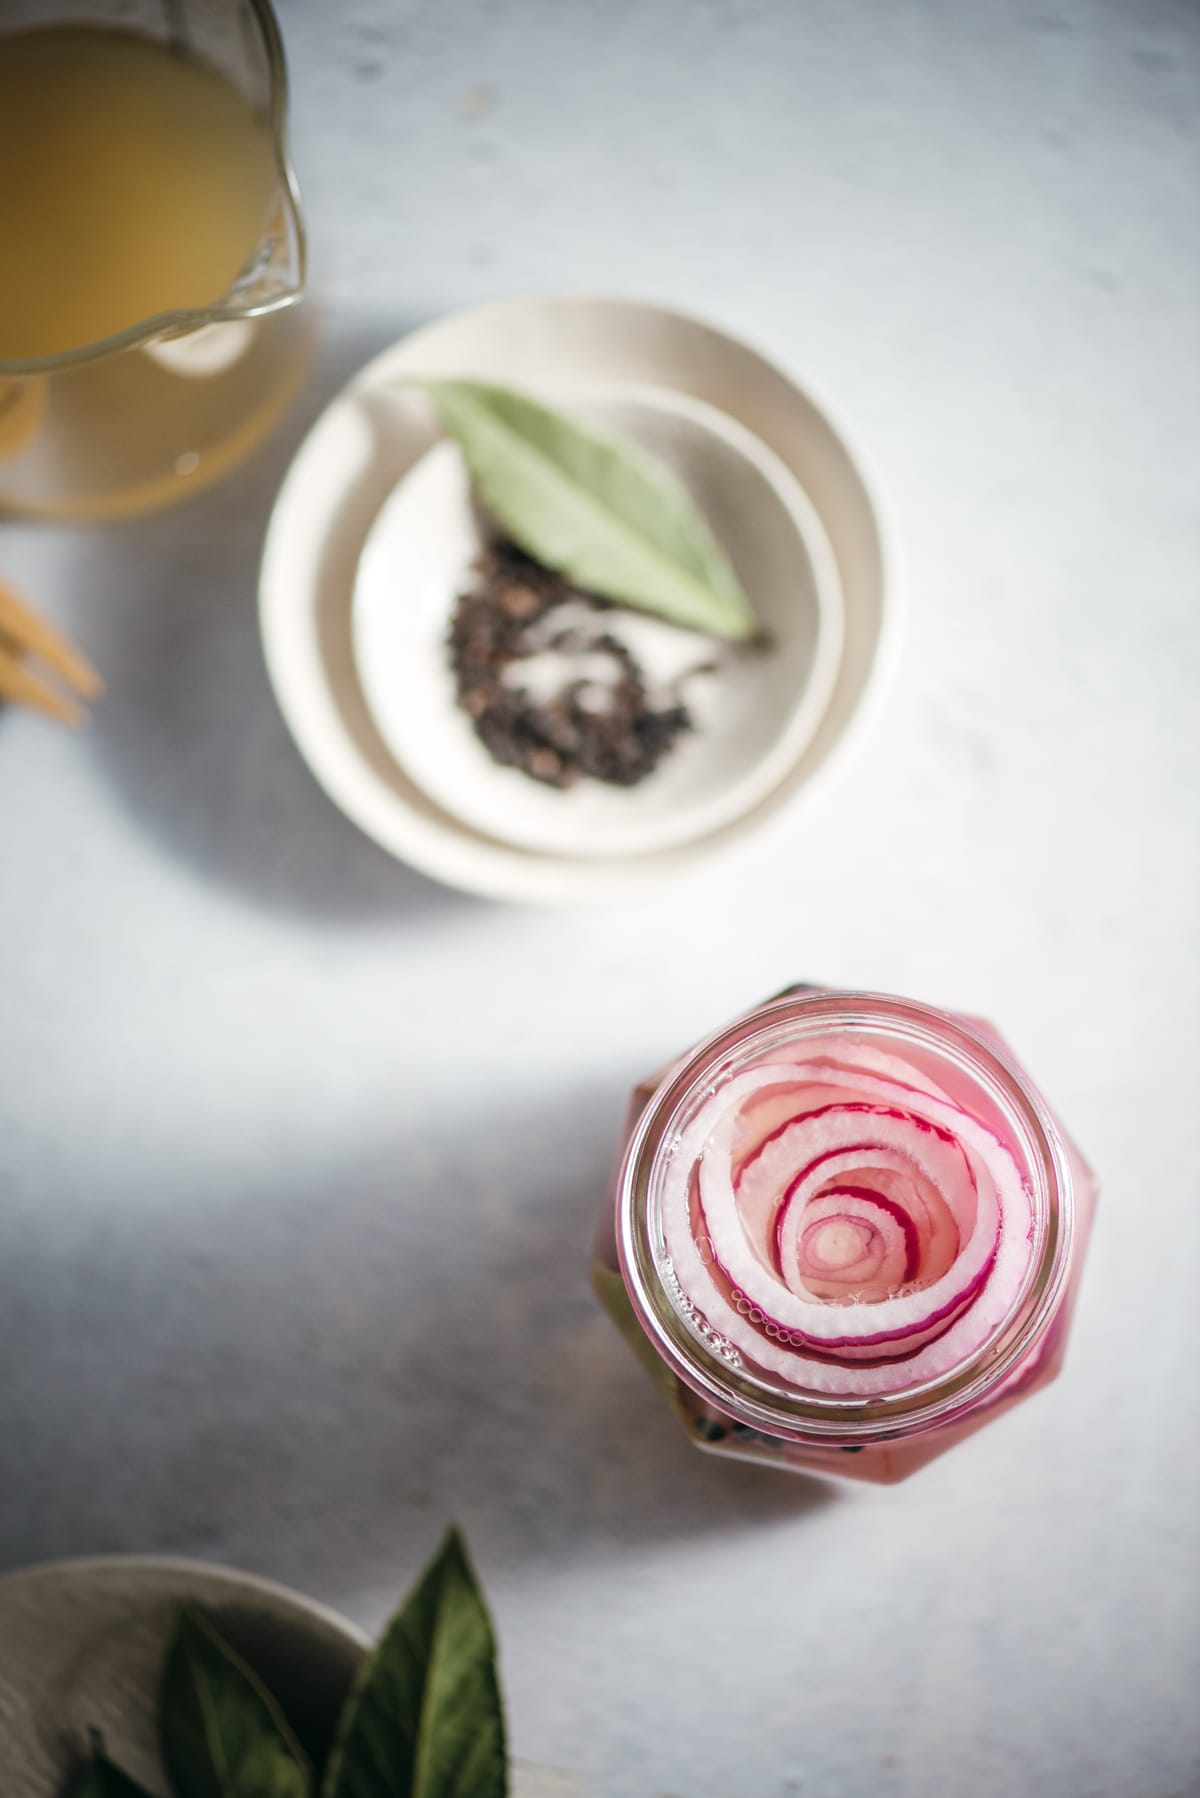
(372,539)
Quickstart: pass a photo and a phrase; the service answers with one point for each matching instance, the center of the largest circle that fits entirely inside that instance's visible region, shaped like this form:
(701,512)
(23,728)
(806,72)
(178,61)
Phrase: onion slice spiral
(844,1222)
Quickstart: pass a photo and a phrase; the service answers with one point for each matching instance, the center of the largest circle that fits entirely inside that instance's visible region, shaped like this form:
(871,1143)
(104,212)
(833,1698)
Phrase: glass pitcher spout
(275,275)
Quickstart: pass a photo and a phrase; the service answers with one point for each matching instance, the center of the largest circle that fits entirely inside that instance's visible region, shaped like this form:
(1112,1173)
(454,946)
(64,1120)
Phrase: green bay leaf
(594,507)
(222,1734)
(424,1718)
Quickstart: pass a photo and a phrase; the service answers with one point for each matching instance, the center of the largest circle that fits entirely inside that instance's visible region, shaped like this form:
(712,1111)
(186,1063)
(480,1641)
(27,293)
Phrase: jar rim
(696,1353)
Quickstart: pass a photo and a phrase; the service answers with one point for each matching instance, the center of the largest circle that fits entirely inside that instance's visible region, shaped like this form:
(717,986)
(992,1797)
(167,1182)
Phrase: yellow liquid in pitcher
(132,182)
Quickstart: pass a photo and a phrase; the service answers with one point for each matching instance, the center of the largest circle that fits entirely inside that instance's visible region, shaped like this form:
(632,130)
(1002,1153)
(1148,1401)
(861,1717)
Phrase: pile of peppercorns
(616,734)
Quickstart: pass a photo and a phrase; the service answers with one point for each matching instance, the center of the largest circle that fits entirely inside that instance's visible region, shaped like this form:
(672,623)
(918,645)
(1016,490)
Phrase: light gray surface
(298,1154)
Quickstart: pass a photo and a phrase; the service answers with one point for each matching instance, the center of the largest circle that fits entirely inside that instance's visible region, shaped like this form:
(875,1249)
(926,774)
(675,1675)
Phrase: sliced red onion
(850,1243)
(832,1139)
(844,1222)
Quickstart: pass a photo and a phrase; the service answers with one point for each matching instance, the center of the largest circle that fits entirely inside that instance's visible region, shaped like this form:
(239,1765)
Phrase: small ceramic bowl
(372,437)
(82,1645)
(755,712)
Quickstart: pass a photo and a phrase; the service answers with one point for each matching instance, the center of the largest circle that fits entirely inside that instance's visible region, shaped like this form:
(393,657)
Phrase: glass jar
(893,1096)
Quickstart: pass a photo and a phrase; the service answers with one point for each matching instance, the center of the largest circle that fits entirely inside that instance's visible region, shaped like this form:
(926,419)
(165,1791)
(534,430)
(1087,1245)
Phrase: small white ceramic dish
(754,713)
(81,1647)
(82,1644)
(375,431)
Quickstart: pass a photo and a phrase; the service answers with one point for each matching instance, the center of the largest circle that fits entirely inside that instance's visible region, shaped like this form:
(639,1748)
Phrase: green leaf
(593,507)
(221,1732)
(424,1718)
(99,1778)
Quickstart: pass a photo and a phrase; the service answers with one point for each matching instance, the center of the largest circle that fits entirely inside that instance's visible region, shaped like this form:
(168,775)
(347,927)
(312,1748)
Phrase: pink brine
(846,1232)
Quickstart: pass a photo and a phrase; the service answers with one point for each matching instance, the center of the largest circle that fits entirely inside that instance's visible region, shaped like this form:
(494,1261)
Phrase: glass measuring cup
(153,250)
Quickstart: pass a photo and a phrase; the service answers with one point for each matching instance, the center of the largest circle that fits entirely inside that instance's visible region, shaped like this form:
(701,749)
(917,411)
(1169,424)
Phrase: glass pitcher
(151,249)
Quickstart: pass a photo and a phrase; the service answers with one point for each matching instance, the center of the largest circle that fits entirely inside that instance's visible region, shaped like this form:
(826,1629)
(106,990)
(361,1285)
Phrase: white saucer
(375,431)
(753,717)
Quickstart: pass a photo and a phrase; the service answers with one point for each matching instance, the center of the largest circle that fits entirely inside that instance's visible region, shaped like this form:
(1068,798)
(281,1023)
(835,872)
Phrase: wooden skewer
(20,685)
(26,630)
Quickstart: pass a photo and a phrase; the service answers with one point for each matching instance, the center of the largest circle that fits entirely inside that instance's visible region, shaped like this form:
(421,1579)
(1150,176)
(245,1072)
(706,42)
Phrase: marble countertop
(299,1154)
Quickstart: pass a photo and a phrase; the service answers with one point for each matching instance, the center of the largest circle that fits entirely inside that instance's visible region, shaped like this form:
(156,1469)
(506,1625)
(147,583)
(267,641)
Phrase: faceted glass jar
(729,1402)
